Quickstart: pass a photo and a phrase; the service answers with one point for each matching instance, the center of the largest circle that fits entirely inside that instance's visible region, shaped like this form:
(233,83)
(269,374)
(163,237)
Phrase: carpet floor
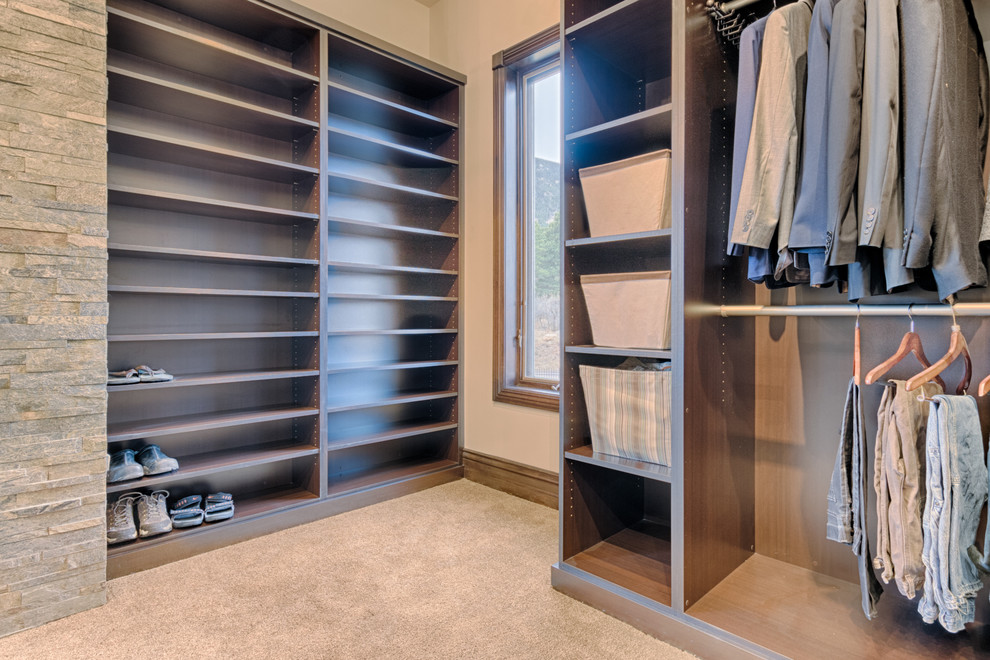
(457,571)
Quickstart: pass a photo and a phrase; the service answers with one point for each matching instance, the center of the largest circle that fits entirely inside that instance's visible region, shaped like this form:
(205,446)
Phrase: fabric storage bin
(629,310)
(628,196)
(629,410)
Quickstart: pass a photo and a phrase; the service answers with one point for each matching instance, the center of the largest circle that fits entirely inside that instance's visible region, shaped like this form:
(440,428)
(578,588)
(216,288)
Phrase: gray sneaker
(153,514)
(124,467)
(120,519)
(154,461)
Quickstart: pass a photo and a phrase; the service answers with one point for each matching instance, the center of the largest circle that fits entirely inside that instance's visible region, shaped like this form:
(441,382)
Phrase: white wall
(405,23)
(464,34)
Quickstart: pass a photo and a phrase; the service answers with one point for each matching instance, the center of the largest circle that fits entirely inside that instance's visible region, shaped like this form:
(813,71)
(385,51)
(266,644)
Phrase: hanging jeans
(847,497)
(898,478)
(956,477)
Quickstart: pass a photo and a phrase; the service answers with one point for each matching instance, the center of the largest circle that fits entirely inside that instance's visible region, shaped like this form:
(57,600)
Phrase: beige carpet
(458,571)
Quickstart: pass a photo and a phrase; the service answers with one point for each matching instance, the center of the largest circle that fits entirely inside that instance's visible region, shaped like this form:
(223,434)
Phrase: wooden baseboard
(523,481)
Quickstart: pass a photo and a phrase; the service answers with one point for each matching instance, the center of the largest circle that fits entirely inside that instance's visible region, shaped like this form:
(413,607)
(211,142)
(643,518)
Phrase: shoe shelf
(378,150)
(391,473)
(402,399)
(366,107)
(152,146)
(187,291)
(389,366)
(386,269)
(208,256)
(151,428)
(198,380)
(585,454)
(342,183)
(150,32)
(137,84)
(161,200)
(590,349)
(203,465)
(198,336)
(368,228)
(403,430)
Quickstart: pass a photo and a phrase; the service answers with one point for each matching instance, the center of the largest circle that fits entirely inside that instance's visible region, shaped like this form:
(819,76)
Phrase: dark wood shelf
(152,92)
(381,475)
(637,558)
(621,352)
(391,297)
(201,465)
(365,228)
(362,106)
(182,47)
(156,147)
(262,504)
(197,336)
(394,331)
(151,428)
(207,256)
(406,430)
(389,366)
(643,239)
(398,400)
(585,454)
(376,268)
(356,186)
(365,147)
(224,378)
(167,201)
(189,291)
(639,133)
(633,36)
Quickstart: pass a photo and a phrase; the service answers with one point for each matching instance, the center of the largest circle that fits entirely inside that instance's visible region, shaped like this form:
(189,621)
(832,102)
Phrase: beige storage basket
(629,310)
(628,196)
(628,412)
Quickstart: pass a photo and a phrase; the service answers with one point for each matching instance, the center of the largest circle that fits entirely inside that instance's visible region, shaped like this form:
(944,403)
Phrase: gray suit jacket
(945,131)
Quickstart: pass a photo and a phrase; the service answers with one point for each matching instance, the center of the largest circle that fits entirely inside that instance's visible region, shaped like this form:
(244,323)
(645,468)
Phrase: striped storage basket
(629,410)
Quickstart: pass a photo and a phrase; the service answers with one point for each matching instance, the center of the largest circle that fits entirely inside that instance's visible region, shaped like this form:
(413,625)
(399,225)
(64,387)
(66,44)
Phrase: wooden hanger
(910,344)
(957,347)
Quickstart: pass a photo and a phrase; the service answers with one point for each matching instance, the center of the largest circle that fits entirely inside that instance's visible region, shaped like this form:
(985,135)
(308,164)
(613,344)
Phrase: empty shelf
(408,430)
(366,228)
(639,468)
(364,147)
(184,254)
(201,465)
(181,100)
(197,336)
(389,366)
(643,238)
(206,54)
(633,36)
(390,297)
(376,268)
(356,186)
(399,400)
(188,291)
(381,475)
(398,331)
(195,380)
(201,422)
(637,558)
(640,132)
(625,352)
(168,201)
(365,107)
(151,146)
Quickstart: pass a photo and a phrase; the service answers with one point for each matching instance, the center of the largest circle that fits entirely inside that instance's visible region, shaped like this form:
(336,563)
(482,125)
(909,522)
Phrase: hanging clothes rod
(961,309)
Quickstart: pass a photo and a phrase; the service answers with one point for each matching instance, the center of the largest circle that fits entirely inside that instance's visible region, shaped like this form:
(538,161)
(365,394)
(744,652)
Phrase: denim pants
(847,497)
(956,477)
(898,478)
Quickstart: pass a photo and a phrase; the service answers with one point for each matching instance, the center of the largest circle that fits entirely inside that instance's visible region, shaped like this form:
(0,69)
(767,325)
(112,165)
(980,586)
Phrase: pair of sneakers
(152,516)
(128,464)
(188,512)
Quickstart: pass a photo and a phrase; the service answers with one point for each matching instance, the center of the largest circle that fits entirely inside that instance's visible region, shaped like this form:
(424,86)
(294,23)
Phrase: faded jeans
(898,478)
(847,497)
(956,477)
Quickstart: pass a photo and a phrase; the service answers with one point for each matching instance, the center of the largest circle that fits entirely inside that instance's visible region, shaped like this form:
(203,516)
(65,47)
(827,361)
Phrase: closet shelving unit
(283,215)
(724,552)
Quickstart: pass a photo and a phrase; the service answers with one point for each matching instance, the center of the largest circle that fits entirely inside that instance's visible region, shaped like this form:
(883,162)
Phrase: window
(528,222)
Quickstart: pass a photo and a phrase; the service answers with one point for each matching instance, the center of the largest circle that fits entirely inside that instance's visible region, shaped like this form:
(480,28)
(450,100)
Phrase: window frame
(511,67)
